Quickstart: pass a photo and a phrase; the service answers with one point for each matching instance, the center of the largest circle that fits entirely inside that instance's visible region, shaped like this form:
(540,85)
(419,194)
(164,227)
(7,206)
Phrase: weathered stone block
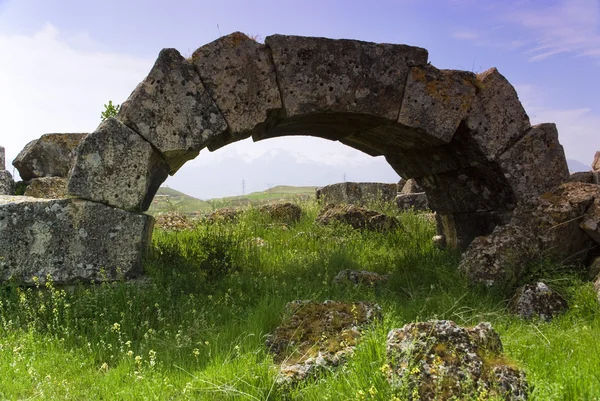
(117,167)
(411,187)
(319,75)
(591,221)
(586,177)
(2,158)
(412,201)
(51,155)
(357,193)
(535,163)
(69,239)
(436,101)
(7,184)
(497,118)
(47,187)
(240,76)
(172,110)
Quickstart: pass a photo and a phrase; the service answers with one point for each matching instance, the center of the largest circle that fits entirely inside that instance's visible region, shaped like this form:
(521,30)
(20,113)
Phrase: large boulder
(7,184)
(537,301)
(240,76)
(439,360)
(69,240)
(357,193)
(47,187)
(315,336)
(172,110)
(357,217)
(286,213)
(51,155)
(117,167)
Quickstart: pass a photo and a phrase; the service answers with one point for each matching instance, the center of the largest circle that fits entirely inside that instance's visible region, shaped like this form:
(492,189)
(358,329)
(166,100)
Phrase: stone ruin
(464,138)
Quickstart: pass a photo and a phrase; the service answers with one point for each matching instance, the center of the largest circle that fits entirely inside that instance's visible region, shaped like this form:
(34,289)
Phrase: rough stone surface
(436,101)
(360,277)
(591,221)
(459,229)
(357,217)
(172,110)
(357,193)
(537,301)
(69,239)
(411,187)
(596,162)
(496,119)
(414,201)
(287,213)
(319,76)
(536,162)
(439,360)
(315,335)
(117,167)
(47,187)
(594,268)
(2,158)
(240,76)
(7,184)
(500,257)
(51,155)
(586,177)
(555,217)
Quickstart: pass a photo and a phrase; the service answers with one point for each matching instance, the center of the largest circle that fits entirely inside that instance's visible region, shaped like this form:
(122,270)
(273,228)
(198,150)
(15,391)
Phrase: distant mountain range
(577,166)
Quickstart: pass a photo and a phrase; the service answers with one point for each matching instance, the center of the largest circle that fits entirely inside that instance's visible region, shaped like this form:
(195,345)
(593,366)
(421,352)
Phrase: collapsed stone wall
(357,193)
(465,138)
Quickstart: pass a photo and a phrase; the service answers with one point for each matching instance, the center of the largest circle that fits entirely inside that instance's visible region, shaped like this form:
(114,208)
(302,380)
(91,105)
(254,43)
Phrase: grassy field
(170,200)
(196,328)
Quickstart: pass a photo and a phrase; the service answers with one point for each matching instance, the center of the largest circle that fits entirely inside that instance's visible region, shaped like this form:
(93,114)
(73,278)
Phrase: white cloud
(54,84)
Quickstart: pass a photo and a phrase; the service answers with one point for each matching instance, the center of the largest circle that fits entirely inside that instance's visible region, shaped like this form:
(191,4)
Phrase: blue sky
(63,59)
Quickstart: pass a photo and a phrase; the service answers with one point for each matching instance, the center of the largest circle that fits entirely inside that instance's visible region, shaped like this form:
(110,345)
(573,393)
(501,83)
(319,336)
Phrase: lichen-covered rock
(117,167)
(440,360)
(537,301)
(172,110)
(316,335)
(287,213)
(70,240)
(535,163)
(360,277)
(226,214)
(240,76)
(411,187)
(596,162)
(2,158)
(555,217)
(586,177)
(357,193)
(414,201)
(319,75)
(501,257)
(436,101)
(357,217)
(47,187)
(173,221)
(497,118)
(51,155)
(7,184)
(591,221)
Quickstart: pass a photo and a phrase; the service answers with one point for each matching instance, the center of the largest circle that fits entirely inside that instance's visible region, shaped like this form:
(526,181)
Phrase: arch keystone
(172,110)
(117,167)
(239,75)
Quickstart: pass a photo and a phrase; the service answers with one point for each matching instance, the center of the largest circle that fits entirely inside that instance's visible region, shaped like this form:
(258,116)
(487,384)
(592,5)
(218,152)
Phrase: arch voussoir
(239,74)
(173,111)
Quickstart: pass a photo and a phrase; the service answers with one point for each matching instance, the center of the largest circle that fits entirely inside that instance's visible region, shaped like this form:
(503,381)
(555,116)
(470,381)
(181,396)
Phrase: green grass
(197,329)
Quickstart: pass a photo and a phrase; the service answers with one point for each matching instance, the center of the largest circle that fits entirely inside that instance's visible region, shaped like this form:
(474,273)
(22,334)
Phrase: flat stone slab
(117,167)
(70,240)
(51,155)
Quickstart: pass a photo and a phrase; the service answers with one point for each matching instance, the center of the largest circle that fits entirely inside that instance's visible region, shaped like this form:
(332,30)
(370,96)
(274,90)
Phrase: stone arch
(464,137)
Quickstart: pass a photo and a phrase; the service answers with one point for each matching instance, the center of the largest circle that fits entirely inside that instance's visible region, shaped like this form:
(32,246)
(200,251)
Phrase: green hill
(168,199)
